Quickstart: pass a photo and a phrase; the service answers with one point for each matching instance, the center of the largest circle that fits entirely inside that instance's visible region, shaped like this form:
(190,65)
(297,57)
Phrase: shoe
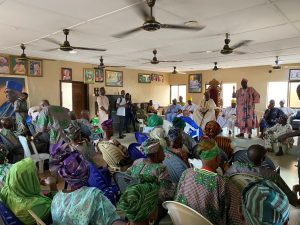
(249,136)
(229,132)
(280,152)
(121,137)
(296,188)
(241,135)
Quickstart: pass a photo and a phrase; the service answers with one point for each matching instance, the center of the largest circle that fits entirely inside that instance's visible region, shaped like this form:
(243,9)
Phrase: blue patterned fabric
(272,118)
(141,137)
(134,152)
(7,216)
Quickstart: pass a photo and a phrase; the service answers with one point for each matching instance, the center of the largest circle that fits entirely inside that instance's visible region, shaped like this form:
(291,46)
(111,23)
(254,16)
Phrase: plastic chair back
(36,218)
(134,152)
(123,180)
(25,146)
(141,137)
(7,216)
(183,215)
(195,163)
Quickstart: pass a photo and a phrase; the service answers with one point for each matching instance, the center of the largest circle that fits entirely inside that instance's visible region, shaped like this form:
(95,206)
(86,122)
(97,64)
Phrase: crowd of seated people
(226,196)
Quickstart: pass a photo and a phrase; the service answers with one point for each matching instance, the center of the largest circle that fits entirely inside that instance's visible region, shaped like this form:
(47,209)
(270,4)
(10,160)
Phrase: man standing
(121,109)
(103,106)
(205,112)
(246,97)
(227,119)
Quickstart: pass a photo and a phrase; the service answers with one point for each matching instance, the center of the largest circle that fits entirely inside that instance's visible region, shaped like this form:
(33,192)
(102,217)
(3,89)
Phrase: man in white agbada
(103,105)
(286,110)
(228,117)
(190,106)
(205,112)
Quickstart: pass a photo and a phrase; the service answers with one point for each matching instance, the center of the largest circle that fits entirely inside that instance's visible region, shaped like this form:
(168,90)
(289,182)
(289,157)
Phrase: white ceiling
(273,25)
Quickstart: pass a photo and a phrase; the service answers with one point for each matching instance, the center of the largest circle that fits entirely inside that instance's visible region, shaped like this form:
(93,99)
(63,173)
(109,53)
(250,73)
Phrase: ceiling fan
(102,66)
(23,56)
(156,61)
(226,50)
(277,64)
(67,47)
(150,24)
(216,67)
(175,71)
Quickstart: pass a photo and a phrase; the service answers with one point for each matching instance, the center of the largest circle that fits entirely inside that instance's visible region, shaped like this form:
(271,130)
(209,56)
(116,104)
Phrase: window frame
(178,91)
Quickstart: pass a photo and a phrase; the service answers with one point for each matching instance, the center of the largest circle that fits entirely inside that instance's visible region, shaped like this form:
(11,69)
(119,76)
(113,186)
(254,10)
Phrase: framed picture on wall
(88,76)
(17,66)
(294,74)
(195,83)
(113,78)
(99,75)
(66,74)
(144,78)
(161,78)
(4,64)
(35,68)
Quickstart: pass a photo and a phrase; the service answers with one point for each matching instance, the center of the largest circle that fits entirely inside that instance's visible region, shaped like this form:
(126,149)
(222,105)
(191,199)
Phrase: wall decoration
(89,76)
(35,67)
(99,75)
(161,78)
(144,78)
(4,64)
(195,83)
(154,77)
(294,74)
(66,74)
(18,67)
(113,78)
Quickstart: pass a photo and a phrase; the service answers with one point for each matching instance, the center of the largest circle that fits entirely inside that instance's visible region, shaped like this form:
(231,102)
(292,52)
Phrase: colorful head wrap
(159,133)
(208,149)
(150,146)
(69,164)
(264,203)
(13,85)
(178,123)
(174,133)
(155,120)
(212,129)
(139,201)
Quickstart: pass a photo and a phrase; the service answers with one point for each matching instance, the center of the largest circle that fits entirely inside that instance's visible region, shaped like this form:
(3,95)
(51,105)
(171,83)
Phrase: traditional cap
(190,99)
(150,146)
(264,203)
(282,100)
(244,79)
(233,100)
(13,85)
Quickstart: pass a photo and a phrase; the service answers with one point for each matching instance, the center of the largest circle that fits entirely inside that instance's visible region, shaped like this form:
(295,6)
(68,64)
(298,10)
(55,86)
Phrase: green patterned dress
(158,170)
(211,195)
(53,119)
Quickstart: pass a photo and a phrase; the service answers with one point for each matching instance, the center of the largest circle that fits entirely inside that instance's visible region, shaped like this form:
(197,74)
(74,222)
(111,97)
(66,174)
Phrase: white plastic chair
(195,163)
(141,125)
(183,215)
(166,126)
(37,157)
(36,218)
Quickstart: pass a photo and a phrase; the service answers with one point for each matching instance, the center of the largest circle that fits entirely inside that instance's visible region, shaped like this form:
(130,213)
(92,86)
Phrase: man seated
(87,129)
(141,113)
(271,116)
(286,110)
(228,117)
(190,107)
(256,155)
(150,107)
(207,192)
(172,110)
(271,135)
(181,102)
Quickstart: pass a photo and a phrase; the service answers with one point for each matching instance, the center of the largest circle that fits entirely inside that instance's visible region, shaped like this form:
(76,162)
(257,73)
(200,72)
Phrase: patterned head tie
(150,146)
(264,204)
(208,149)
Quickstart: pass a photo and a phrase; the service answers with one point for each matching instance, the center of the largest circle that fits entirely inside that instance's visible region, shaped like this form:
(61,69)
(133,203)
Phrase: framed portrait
(294,74)
(161,78)
(35,67)
(99,75)
(17,66)
(154,77)
(144,78)
(195,83)
(113,78)
(88,76)
(66,74)
(4,64)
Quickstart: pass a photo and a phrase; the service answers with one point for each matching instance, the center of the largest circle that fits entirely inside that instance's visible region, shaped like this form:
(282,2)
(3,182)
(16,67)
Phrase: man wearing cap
(286,110)
(190,106)
(172,110)
(246,98)
(228,117)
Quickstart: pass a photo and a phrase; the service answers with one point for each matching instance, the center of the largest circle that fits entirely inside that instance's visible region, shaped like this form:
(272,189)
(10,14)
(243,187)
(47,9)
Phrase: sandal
(241,135)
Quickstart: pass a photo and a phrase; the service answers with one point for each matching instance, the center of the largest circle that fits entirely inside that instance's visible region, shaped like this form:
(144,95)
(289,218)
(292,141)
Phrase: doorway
(74,96)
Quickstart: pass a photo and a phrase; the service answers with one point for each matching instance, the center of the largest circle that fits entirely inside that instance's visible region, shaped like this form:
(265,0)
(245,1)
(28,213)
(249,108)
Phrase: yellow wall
(47,87)
(258,78)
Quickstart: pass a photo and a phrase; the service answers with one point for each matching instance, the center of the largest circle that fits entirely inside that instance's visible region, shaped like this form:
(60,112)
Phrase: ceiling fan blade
(89,49)
(53,41)
(50,50)
(142,9)
(170,61)
(239,52)
(116,66)
(240,44)
(182,27)
(207,51)
(125,33)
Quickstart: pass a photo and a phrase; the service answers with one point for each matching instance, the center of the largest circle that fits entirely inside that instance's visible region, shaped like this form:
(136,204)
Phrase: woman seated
(209,193)
(140,204)
(4,165)
(152,166)
(159,133)
(153,122)
(21,192)
(81,205)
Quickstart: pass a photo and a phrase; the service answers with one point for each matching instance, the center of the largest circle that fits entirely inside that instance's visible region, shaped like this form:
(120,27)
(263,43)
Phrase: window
(178,90)
(227,93)
(277,91)
(293,98)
